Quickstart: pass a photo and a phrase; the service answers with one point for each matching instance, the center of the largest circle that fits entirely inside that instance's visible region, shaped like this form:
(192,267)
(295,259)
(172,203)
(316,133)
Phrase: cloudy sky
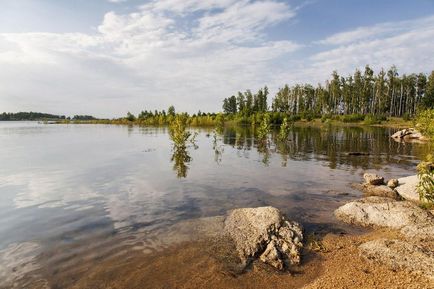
(107,57)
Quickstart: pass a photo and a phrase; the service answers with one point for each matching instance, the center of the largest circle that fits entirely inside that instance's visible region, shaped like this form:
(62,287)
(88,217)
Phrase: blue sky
(107,57)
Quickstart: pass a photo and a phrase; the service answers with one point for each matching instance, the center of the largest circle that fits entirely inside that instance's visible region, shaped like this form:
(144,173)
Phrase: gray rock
(373,179)
(412,221)
(264,232)
(399,255)
(407,188)
(409,134)
(380,191)
(392,183)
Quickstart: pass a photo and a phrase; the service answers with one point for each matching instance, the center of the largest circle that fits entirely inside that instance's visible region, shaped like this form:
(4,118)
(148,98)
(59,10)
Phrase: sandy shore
(333,262)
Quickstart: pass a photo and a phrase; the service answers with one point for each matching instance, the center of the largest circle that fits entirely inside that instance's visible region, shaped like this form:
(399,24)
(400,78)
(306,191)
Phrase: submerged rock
(373,179)
(265,233)
(380,191)
(407,188)
(400,255)
(412,221)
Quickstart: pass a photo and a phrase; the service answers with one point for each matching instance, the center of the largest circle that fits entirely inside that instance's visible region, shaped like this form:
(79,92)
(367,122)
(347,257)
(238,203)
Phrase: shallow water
(72,195)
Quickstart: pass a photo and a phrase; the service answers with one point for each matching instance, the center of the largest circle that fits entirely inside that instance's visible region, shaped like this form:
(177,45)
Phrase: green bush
(374,119)
(425,123)
(353,118)
(425,173)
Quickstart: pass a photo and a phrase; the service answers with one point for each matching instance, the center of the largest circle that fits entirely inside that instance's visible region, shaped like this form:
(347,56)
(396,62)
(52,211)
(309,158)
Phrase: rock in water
(399,255)
(373,179)
(412,221)
(265,233)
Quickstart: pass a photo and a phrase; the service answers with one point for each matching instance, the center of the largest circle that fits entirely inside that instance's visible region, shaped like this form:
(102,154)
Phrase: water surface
(77,194)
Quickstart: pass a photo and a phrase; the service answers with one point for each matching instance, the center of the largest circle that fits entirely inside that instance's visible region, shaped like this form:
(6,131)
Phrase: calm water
(71,194)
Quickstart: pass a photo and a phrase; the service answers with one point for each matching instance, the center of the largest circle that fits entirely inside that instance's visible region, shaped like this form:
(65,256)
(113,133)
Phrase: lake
(73,196)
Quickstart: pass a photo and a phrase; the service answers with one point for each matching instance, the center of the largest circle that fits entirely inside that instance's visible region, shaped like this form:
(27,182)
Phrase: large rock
(412,221)
(409,134)
(380,191)
(373,179)
(407,188)
(400,255)
(265,233)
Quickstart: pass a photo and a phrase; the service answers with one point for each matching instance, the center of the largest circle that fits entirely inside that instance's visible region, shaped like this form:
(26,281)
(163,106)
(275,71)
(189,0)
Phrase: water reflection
(358,147)
(76,193)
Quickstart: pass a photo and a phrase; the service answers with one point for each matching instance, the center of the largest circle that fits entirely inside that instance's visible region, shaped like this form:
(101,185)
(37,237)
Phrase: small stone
(373,179)
(393,183)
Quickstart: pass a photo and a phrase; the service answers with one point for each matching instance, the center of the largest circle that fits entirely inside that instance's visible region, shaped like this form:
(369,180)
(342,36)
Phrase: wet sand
(332,261)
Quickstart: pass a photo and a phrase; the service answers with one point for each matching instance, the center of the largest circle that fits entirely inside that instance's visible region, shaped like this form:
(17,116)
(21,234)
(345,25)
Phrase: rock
(357,154)
(412,221)
(392,183)
(380,191)
(373,179)
(408,134)
(264,232)
(399,255)
(407,188)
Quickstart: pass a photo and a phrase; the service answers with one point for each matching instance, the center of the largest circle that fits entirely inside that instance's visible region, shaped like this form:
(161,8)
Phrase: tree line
(385,93)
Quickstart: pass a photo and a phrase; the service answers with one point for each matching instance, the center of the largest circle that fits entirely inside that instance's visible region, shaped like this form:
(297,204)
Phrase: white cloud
(117,1)
(191,54)
(406,44)
(145,60)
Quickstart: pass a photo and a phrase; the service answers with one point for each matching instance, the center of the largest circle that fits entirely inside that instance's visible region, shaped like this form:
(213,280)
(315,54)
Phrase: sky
(108,57)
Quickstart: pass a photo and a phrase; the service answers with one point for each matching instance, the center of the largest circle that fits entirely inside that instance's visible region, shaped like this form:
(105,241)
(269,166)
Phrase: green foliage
(171,110)
(130,117)
(178,130)
(353,118)
(425,173)
(284,129)
(425,123)
(406,116)
(264,127)
(374,119)
(5,116)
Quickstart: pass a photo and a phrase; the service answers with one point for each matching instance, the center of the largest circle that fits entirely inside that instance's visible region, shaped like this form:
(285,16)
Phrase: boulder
(407,188)
(400,255)
(373,179)
(392,183)
(265,233)
(412,221)
(380,191)
(408,134)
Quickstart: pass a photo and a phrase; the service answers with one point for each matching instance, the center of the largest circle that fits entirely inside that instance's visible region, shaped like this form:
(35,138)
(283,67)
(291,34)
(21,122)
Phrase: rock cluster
(408,134)
(264,233)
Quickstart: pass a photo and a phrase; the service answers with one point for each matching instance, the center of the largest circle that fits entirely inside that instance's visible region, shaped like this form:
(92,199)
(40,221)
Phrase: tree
(171,110)
(130,117)
(428,99)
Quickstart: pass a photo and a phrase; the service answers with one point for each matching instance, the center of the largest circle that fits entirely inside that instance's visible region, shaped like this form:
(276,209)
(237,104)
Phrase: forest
(387,94)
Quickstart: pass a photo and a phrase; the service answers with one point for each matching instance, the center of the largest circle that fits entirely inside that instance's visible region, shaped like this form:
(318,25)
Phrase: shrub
(353,118)
(425,123)
(425,173)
